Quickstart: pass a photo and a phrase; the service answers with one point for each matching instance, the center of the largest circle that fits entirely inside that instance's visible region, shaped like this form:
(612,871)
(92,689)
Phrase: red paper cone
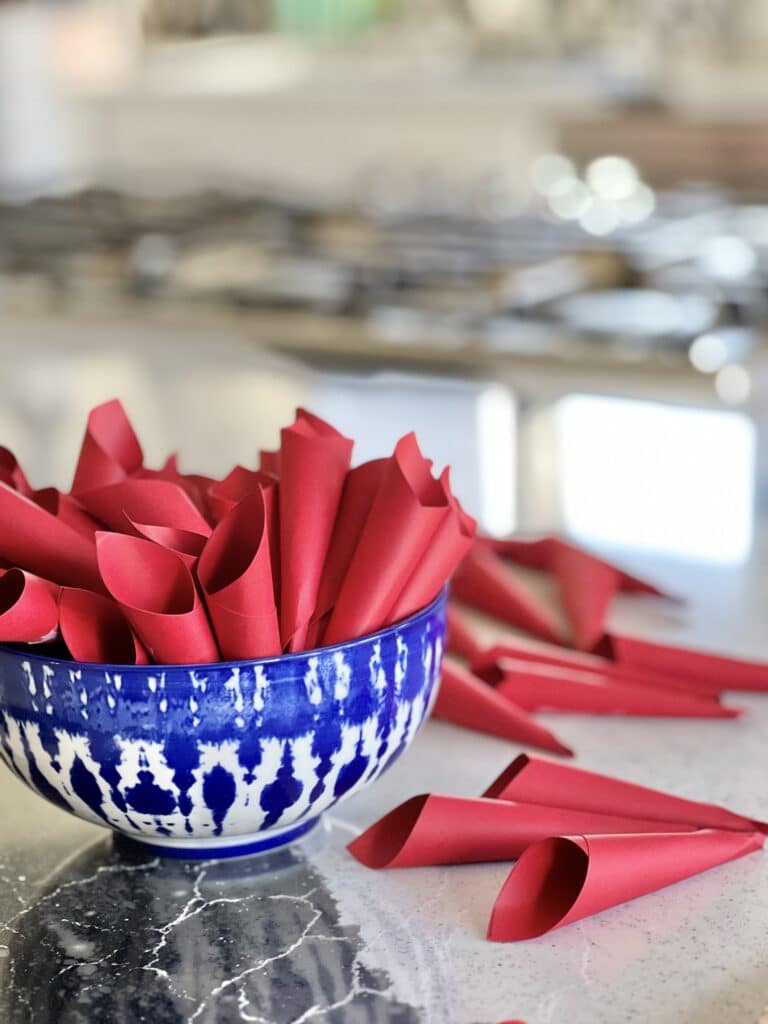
(236,577)
(539,781)
(35,540)
(95,630)
(488,664)
(157,594)
(12,474)
(269,462)
(194,485)
(561,880)
(360,489)
(28,608)
(587,585)
(698,667)
(466,700)
(485,582)
(110,450)
(408,509)
(450,543)
(224,494)
(435,829)
(184,543)
(314,459)
(68,510)
(148,502)
(553,688)
(460,638)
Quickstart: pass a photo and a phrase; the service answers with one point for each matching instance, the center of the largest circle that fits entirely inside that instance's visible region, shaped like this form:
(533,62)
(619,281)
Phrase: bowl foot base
(221,847)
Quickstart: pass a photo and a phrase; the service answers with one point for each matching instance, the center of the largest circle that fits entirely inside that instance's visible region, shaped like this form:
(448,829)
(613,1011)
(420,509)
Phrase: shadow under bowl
(223,759)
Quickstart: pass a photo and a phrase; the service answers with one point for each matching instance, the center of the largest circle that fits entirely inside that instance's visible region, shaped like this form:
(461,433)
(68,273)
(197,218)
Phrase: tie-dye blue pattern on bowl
(224,759)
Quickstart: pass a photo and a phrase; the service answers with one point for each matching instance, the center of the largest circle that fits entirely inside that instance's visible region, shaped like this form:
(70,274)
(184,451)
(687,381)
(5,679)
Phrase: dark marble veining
(113,936)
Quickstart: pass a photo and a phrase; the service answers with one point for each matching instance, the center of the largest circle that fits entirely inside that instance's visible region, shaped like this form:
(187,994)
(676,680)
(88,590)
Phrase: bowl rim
(207,666)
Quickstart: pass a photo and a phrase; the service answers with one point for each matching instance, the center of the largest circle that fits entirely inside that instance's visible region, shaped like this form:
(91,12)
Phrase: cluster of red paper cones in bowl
(584,841)
(527,632)
(134,565)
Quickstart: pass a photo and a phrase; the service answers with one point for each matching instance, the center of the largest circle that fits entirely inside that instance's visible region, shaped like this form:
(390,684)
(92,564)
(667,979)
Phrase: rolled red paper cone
(314,459)
(554,688)
(466,700)
(450,543)
(360,489)
(488,664)
(33,539)
(224,494)
(94,629)
(28,608)
(485,582)
(460,638)
(184,543)
(68,510)
(715,670)
(587,585)
(536,780)
(151,502)
(110,449)
(434,829)
(12,474)
(194,485)
(269,462)
(405,514)
(236,578)
(561,880)
(542,553)
(157,594)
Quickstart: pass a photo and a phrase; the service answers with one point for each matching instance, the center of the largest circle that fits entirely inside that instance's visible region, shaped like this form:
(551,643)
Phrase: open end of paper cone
(510,772)
(383,842)
(540,890)
(12,585)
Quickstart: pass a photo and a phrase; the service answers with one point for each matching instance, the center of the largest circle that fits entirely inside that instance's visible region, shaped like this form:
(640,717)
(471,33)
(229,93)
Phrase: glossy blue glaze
(220,759)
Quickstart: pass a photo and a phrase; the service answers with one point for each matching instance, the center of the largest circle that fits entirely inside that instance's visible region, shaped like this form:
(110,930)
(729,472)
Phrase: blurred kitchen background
(536,233)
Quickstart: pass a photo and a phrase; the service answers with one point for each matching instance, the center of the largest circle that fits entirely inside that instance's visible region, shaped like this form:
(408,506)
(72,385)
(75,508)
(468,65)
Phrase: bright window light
(669,479)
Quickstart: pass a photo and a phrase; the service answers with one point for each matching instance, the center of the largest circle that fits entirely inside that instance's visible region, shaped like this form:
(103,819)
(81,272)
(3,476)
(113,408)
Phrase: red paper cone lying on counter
(539,781)
(147,503)
(95,630)
(697,667)
(485,582)
(236,577)
(489,664)
(408,509)
(554,688)
(33,539)
(110,449)
(12,474)
(157,593)
(28,607)
(451,542)
(68,510)
(460,638)
(466,700)
(434,829)
(314,459)
(587,584)
(561,880)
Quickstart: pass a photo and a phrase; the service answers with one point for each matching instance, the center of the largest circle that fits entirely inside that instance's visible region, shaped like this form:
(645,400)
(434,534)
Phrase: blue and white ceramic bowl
(224,759)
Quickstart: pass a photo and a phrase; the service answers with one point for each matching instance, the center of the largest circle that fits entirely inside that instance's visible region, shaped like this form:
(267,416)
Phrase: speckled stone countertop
(91,931)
